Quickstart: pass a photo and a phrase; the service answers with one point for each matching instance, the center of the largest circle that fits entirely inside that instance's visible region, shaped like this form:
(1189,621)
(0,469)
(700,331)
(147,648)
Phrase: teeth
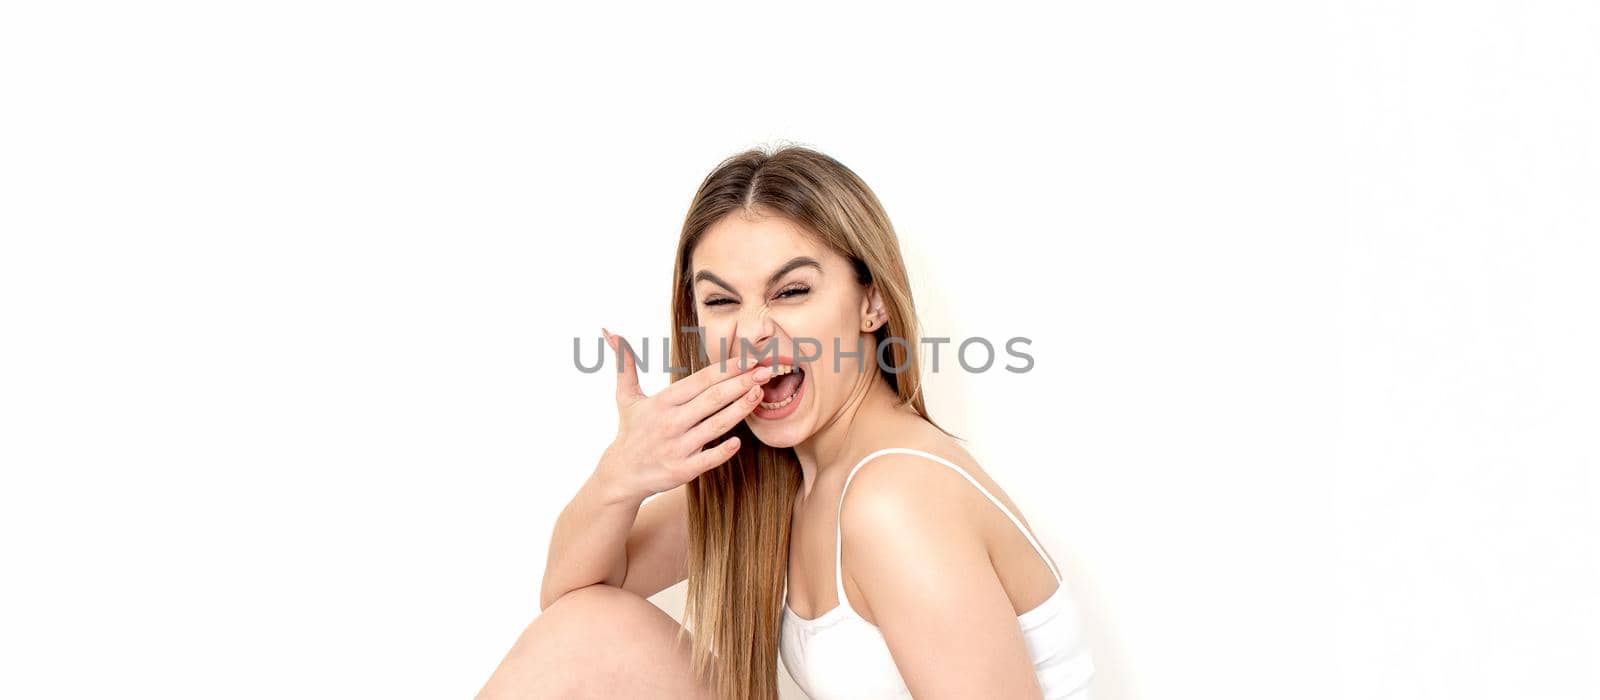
(778,369)
(778,404)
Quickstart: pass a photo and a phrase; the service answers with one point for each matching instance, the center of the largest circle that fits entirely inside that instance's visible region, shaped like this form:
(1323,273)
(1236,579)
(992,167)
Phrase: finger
(681,391)
(722,421)
(712,457)
(627,372)
(724,392)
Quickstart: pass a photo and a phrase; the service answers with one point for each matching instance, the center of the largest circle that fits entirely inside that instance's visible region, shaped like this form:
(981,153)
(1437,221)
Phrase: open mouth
(781,394)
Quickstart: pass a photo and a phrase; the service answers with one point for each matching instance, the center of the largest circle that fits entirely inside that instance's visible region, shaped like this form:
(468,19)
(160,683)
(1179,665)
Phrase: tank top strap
(838,533)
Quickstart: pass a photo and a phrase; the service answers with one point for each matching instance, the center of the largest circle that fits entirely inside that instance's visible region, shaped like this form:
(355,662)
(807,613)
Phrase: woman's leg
(598,641)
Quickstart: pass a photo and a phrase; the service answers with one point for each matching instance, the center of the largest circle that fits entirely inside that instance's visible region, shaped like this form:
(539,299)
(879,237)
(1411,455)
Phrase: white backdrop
(287,294)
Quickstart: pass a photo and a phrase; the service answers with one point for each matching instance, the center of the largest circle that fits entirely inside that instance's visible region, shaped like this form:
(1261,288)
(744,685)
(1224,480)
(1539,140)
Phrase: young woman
(925,581)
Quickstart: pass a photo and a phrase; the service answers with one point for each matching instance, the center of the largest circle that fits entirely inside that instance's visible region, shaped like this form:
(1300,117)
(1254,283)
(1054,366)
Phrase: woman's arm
(603,536)
(608,533)
(915,551)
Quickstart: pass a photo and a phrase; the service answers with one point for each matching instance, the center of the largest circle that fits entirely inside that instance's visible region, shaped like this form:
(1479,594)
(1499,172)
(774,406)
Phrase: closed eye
(789,293)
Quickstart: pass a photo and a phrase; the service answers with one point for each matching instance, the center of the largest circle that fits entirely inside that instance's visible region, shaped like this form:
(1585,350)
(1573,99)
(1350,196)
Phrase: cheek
(719,337)
(816,331)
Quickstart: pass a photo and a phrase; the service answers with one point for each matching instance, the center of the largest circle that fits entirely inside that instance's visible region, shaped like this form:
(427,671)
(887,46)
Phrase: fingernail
(610,339)
(763,373)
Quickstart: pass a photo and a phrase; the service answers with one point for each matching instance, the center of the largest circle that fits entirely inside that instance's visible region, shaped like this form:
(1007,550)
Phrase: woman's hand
(661,440)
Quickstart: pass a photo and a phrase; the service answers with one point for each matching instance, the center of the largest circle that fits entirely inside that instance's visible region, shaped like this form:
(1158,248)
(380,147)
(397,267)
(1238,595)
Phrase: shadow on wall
(1111,677)
(1111,681)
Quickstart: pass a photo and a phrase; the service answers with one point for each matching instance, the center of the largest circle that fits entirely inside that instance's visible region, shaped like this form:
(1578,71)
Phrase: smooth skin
(917,536)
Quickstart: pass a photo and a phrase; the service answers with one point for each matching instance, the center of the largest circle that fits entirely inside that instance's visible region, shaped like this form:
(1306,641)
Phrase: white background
(287,294)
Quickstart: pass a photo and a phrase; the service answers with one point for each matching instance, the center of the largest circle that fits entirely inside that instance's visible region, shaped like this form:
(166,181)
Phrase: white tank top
(838,654)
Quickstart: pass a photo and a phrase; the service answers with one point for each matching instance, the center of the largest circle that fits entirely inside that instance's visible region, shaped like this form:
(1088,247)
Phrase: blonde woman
(803,387)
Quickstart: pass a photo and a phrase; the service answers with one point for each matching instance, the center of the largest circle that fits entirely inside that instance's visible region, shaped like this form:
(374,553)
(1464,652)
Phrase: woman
(925,581)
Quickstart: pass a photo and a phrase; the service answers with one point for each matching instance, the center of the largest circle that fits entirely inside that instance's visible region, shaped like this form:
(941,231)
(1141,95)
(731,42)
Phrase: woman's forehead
(739,247)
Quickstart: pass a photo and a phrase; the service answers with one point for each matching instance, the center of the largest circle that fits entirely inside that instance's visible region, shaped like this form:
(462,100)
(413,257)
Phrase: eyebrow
(791,266)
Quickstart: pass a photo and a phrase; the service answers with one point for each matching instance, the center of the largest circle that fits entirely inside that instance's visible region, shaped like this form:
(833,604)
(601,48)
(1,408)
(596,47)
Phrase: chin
(780,436)
(788,431)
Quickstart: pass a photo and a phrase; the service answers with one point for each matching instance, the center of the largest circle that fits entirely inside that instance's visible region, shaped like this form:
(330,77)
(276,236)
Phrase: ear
(873,314)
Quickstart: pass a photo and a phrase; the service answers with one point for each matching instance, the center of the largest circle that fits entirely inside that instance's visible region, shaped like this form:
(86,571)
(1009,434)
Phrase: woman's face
(768,283)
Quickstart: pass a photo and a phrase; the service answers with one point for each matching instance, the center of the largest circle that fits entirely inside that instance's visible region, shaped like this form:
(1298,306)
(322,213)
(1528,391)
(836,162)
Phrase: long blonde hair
(739,512)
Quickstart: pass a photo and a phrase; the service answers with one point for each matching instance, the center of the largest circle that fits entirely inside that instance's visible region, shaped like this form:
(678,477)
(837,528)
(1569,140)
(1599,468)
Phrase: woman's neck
(841,438)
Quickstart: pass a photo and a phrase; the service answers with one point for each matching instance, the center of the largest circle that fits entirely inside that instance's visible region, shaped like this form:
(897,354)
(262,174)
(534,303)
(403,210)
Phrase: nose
(757,328)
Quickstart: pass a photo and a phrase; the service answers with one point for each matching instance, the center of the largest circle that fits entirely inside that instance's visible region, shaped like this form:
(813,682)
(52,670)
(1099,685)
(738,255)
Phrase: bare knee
(568,646)
(597,601)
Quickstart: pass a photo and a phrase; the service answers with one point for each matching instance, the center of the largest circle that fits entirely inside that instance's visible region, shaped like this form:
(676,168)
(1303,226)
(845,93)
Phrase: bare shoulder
(907,521)
(900,488)
(904,489)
